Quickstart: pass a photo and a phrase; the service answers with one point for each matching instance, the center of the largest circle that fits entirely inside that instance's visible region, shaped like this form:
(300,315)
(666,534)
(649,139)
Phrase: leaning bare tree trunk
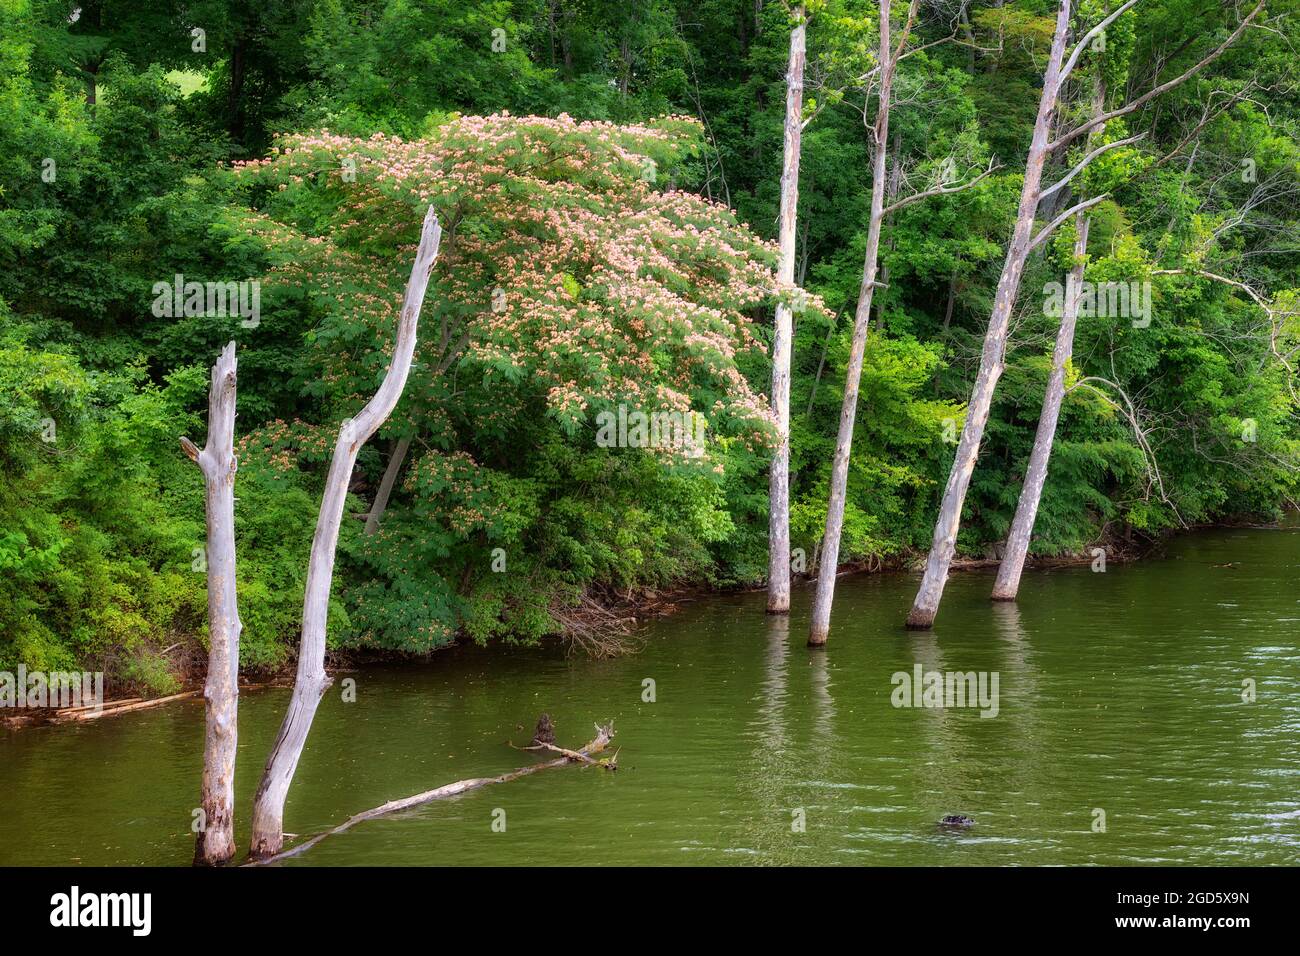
(828,563)
(926,605)
(311,681)
(215,844)
(395,461)
(1022,526)
(778,563)
(944,544)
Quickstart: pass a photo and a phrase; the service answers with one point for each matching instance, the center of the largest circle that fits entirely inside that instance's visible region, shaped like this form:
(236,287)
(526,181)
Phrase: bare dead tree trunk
(1031,492)
(215,843)
(778,560)
(583,757)
(821,366)
(895,180)
(890,54)
(828,562)
(952,301)
(393,469)
(944,543)
(311,681)
(969,36)
(1007,584)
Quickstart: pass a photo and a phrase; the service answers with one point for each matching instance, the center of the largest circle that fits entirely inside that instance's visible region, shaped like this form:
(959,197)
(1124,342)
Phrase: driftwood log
(113,708)
(585,756)
(110,708)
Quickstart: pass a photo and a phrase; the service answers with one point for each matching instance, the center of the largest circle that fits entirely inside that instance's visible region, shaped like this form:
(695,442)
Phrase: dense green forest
(608,177)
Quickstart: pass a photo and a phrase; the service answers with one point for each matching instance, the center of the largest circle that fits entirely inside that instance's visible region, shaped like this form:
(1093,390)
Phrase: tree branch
(603,736)
(1207,117)
(1051,226)
(1153,467)
(1084,162)
(1146,97)
(1090,36)
(1275,327)
(940,190)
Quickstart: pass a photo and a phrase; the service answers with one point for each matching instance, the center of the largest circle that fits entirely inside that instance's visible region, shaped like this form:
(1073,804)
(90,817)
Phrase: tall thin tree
(778,564)
(889,55)
(1031,492)
(1007,584)
(215,843)
(1023,241)
(312,681)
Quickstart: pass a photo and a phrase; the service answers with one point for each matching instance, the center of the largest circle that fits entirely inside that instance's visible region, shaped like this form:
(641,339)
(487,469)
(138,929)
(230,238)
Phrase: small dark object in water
(545,731)
(956,820)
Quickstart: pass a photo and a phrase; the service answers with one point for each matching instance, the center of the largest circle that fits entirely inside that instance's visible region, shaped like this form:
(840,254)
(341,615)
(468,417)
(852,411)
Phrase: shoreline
(628,615)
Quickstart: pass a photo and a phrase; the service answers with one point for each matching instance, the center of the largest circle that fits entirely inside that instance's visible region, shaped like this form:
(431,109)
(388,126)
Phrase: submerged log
(604,734)
(106,705)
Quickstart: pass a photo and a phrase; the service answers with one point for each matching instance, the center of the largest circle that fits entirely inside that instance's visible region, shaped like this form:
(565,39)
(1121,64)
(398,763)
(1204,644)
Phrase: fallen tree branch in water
(576,756)
(112,709)
(604,734)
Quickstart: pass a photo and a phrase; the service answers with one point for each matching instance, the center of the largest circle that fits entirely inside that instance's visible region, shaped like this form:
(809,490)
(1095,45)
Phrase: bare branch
(1259,299)
(1051,226)
(1153,467)
(906,32)
(1085,161)
(951,38)
(1146,97)
(1276,317)
(1207,116)
(941,190)
(1090,36)
(597,745)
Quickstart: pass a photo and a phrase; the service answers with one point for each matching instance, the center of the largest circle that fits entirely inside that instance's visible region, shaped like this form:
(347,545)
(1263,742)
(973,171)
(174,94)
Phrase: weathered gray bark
(821,365)
(311,681)
(891,194)
(952,301)
(1031,492)
(926,604)
(1102,119)
(828,562)
(598,744)
(215,843)
(943,545)
(393,469)
(1007,584)
(778,563)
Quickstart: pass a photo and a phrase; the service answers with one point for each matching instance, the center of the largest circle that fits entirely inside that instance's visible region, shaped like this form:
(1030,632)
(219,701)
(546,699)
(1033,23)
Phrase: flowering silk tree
(568,275)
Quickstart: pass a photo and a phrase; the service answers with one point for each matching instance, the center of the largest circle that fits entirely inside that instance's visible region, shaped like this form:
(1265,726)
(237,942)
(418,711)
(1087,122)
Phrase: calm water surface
(1119,691)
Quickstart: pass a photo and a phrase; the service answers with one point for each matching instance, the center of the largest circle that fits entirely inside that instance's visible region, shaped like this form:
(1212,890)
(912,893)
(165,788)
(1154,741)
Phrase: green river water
(1119,692)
